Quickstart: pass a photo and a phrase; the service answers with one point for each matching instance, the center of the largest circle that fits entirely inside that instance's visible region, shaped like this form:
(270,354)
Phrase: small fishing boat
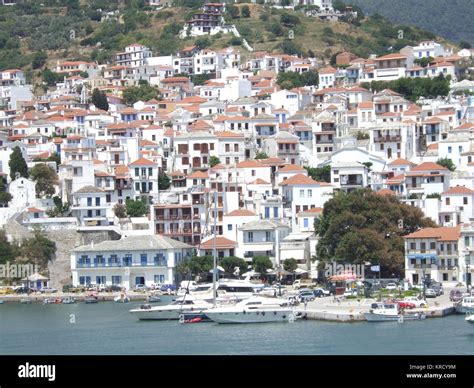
(25,301)
(154,299)
(389,312)
(2,301)
(68,300)
(470,318)
(122,298)
(91,298)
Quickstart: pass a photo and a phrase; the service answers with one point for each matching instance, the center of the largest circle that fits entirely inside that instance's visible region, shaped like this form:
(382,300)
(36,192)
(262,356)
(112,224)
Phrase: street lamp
(424,283)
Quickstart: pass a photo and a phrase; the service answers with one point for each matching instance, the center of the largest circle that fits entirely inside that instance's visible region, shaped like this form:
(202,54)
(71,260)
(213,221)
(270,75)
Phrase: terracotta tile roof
(241,213)
(144,143)
(390,56)
(249,164)
(34,210)
(385,192)
(401,162)
(396,179)
(312,211)
(259,181)
(300,179)
(458,190)
(219,242)
(441,234)
(291,167)
(229,134)
(366,105)
(198,175)
(428,166)
(328,70)
(142,162)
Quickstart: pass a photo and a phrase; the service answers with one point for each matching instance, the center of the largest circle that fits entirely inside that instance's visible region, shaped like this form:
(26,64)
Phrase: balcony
(447,267)
(158,263)
(179,232)
(387,139)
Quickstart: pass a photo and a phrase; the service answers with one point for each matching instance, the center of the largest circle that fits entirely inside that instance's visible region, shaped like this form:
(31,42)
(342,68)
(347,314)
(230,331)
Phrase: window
(448,201)
(250,236)
(432,245)
(464,200)
(412,246)
(267,236)
(229,227)
(305,222)
(137,171)
(236,148)
(450,149)
(116,280)
(97,201)
(254,173)
(275,212)
(310,193)
(301,193)
(467,241)
(423,247)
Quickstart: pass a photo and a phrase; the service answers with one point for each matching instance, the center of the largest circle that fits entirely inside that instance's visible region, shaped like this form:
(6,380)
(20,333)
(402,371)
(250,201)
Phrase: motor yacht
(252,310)
(386,312)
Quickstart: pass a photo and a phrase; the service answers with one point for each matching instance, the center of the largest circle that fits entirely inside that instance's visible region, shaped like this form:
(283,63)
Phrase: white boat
(470,318)
(252,310)
(122,298)
(389,312)
(68,300)
(466,305)
(172,310)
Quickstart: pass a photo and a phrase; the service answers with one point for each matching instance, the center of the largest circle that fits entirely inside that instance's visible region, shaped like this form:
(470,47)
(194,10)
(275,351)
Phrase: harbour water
(109,328)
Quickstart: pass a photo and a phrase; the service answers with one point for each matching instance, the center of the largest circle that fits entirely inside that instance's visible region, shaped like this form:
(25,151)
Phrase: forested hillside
(452,19)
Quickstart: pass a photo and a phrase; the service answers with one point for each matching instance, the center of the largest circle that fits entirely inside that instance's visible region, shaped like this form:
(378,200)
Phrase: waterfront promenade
(352,310)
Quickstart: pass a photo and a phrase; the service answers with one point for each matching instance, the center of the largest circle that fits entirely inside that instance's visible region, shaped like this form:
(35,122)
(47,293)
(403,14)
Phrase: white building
(128,262)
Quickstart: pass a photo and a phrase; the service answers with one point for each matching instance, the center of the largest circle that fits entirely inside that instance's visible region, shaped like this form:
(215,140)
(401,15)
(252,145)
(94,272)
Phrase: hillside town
(219,161)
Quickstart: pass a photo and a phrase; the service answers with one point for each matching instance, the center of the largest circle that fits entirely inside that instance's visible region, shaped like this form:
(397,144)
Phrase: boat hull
(373,317)
(255,316)
(465,309)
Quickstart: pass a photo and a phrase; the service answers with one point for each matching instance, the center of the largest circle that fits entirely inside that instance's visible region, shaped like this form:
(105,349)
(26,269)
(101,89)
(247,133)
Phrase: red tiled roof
(428,166)
(300,179)
(458,190)
(219,242)
(241,213)
(142,162)
(441,234)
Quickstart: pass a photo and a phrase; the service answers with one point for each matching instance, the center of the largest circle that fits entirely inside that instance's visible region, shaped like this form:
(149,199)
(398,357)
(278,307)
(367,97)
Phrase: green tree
(446,162)
(99,99)
(229,263)
(120,211)
(261,264)
(5,197)
(136,208)
(289,20)
(245,11)
(232,11)
(164,181)
(17,164)
(51,78)
(213,161)
(142,92)
(38,249)
(290,265)
(6,249)
(362,226)
(60,209)
(39,60)
(464,45)
(362,135)
(320,174)
(261,155)
(46,179)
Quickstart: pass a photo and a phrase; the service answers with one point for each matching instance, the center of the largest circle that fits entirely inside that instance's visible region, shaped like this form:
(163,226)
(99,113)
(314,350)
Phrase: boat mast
(214,251)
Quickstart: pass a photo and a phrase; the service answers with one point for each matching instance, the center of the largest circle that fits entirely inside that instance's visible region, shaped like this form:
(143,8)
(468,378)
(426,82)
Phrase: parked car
(139,288)
(419,303)
(48,290)
(305,296)
(404,304)
(438,288)
(350,293)
(430,293)
(321,292)
(391,286)
(166,287)
(24,290)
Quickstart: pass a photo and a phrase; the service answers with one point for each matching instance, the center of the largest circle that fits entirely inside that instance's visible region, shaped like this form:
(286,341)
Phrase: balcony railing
(387,139)
(123,264)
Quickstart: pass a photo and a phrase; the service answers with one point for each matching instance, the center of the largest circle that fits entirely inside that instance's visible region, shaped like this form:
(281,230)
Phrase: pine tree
(99,99)
(17,164)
